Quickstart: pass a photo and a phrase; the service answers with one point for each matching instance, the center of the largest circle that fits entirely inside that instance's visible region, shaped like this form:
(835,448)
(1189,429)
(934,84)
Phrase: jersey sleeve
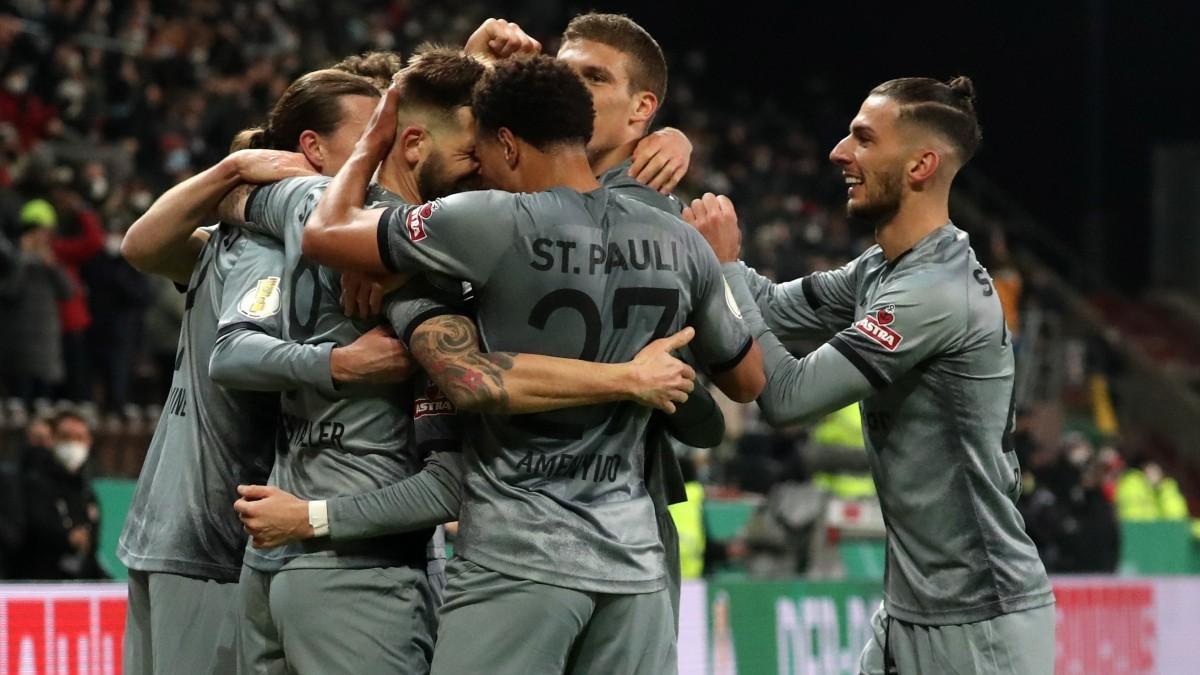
(722,339)
(249,353)
(420,300)
(910,321)
(463,236)
(865,357)
(272,209)
(815,306)
(430,497)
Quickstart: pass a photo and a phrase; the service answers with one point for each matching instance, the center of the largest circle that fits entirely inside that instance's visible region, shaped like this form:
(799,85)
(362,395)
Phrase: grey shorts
(329,621)
(494,624)
(177,624)
(1021,643)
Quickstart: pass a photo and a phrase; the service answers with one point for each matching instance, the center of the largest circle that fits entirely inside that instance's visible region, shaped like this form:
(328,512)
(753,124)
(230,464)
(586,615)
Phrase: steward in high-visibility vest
(689,521)
(1140,497)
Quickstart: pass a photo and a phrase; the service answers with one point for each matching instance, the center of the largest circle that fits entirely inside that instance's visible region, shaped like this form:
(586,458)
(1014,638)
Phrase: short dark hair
(647,65)
(313,101)
(540,99)
(68,414)
(947,108)
(438,80)
(377,66)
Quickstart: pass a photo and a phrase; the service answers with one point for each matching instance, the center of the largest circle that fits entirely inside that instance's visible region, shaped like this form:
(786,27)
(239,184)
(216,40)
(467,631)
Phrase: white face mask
(71,454)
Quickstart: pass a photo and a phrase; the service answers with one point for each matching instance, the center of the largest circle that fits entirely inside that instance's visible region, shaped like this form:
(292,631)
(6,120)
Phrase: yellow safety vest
(689,521)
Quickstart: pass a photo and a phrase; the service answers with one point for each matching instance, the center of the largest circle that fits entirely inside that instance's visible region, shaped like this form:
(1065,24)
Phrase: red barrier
(61,628)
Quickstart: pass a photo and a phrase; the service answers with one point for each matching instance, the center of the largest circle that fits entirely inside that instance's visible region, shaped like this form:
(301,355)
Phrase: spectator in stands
(121,295)
(39,439)
(79,239)
(29,297)
(61,513)
(1144,492)
(1067,513)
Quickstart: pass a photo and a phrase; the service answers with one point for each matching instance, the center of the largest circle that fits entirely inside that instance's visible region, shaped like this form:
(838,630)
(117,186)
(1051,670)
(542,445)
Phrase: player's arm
(273,517)
(815,306)
(250,354)
(903,328)
(507,383)
(445,342)
(166,239)
(731,355)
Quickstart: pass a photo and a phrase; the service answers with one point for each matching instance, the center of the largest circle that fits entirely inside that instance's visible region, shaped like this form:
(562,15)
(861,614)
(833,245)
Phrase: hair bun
(964,88)
(254,137)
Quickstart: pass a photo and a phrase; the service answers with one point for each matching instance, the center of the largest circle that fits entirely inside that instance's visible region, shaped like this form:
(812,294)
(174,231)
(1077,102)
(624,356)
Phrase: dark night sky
(1030,63)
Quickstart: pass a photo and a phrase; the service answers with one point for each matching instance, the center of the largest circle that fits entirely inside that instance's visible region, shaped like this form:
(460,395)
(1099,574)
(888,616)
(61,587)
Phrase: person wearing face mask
(62,515)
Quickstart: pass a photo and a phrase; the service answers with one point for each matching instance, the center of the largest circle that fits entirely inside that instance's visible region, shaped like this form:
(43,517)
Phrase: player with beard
(919,339)
(556,545)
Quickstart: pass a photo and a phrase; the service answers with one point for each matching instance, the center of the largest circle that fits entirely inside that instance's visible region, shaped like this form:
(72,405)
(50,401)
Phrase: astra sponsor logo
(433,403)
(877,327)
(415,222)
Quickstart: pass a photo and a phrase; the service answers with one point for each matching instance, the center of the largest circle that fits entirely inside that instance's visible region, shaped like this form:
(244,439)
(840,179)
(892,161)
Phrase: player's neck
(561,167)
(606,159)
(397,177)
(912,223)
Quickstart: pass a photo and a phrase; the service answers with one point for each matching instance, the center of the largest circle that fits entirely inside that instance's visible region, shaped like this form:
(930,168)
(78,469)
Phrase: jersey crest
(262,300)
(878,328)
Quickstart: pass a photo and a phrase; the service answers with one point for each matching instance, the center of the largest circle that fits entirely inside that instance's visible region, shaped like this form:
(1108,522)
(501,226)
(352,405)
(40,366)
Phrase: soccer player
(182,542)
(377,590)
(919,339)
(555,547)
(624,69)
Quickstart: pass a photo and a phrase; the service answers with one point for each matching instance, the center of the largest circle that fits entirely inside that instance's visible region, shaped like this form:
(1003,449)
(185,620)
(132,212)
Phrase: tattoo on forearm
(448,348)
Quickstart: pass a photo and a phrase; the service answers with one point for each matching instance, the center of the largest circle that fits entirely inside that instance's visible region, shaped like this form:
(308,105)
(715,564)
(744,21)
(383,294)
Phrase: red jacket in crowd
(72,252)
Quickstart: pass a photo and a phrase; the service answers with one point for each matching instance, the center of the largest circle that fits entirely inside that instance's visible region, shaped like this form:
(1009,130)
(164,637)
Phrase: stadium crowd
(105,104)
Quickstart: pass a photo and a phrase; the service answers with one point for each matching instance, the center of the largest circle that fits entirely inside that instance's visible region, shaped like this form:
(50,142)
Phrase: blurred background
(1084,204)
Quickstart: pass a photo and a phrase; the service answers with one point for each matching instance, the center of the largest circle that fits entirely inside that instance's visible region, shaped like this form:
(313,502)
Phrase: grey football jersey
(664,478)
(348,441)
(922,343)
(560,497)
(208,439)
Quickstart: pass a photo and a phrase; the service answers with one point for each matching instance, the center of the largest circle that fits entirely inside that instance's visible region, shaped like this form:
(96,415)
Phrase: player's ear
(923,167)
(512,152)
(310,145)
(410,143)
(643,107)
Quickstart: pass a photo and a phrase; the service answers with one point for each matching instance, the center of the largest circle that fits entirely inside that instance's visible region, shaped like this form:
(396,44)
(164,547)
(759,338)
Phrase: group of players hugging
(454,291)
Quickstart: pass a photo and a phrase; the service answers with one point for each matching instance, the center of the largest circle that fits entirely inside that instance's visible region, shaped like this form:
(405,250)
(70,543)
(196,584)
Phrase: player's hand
(717,220)
(497,39)
(661,159)
(271,516)
(381,129)
(268,166)
(659,379)
(362,294)
(376,357)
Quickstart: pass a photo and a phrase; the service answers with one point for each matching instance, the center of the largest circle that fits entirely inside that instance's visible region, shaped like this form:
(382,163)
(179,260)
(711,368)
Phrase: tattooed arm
(505,383)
